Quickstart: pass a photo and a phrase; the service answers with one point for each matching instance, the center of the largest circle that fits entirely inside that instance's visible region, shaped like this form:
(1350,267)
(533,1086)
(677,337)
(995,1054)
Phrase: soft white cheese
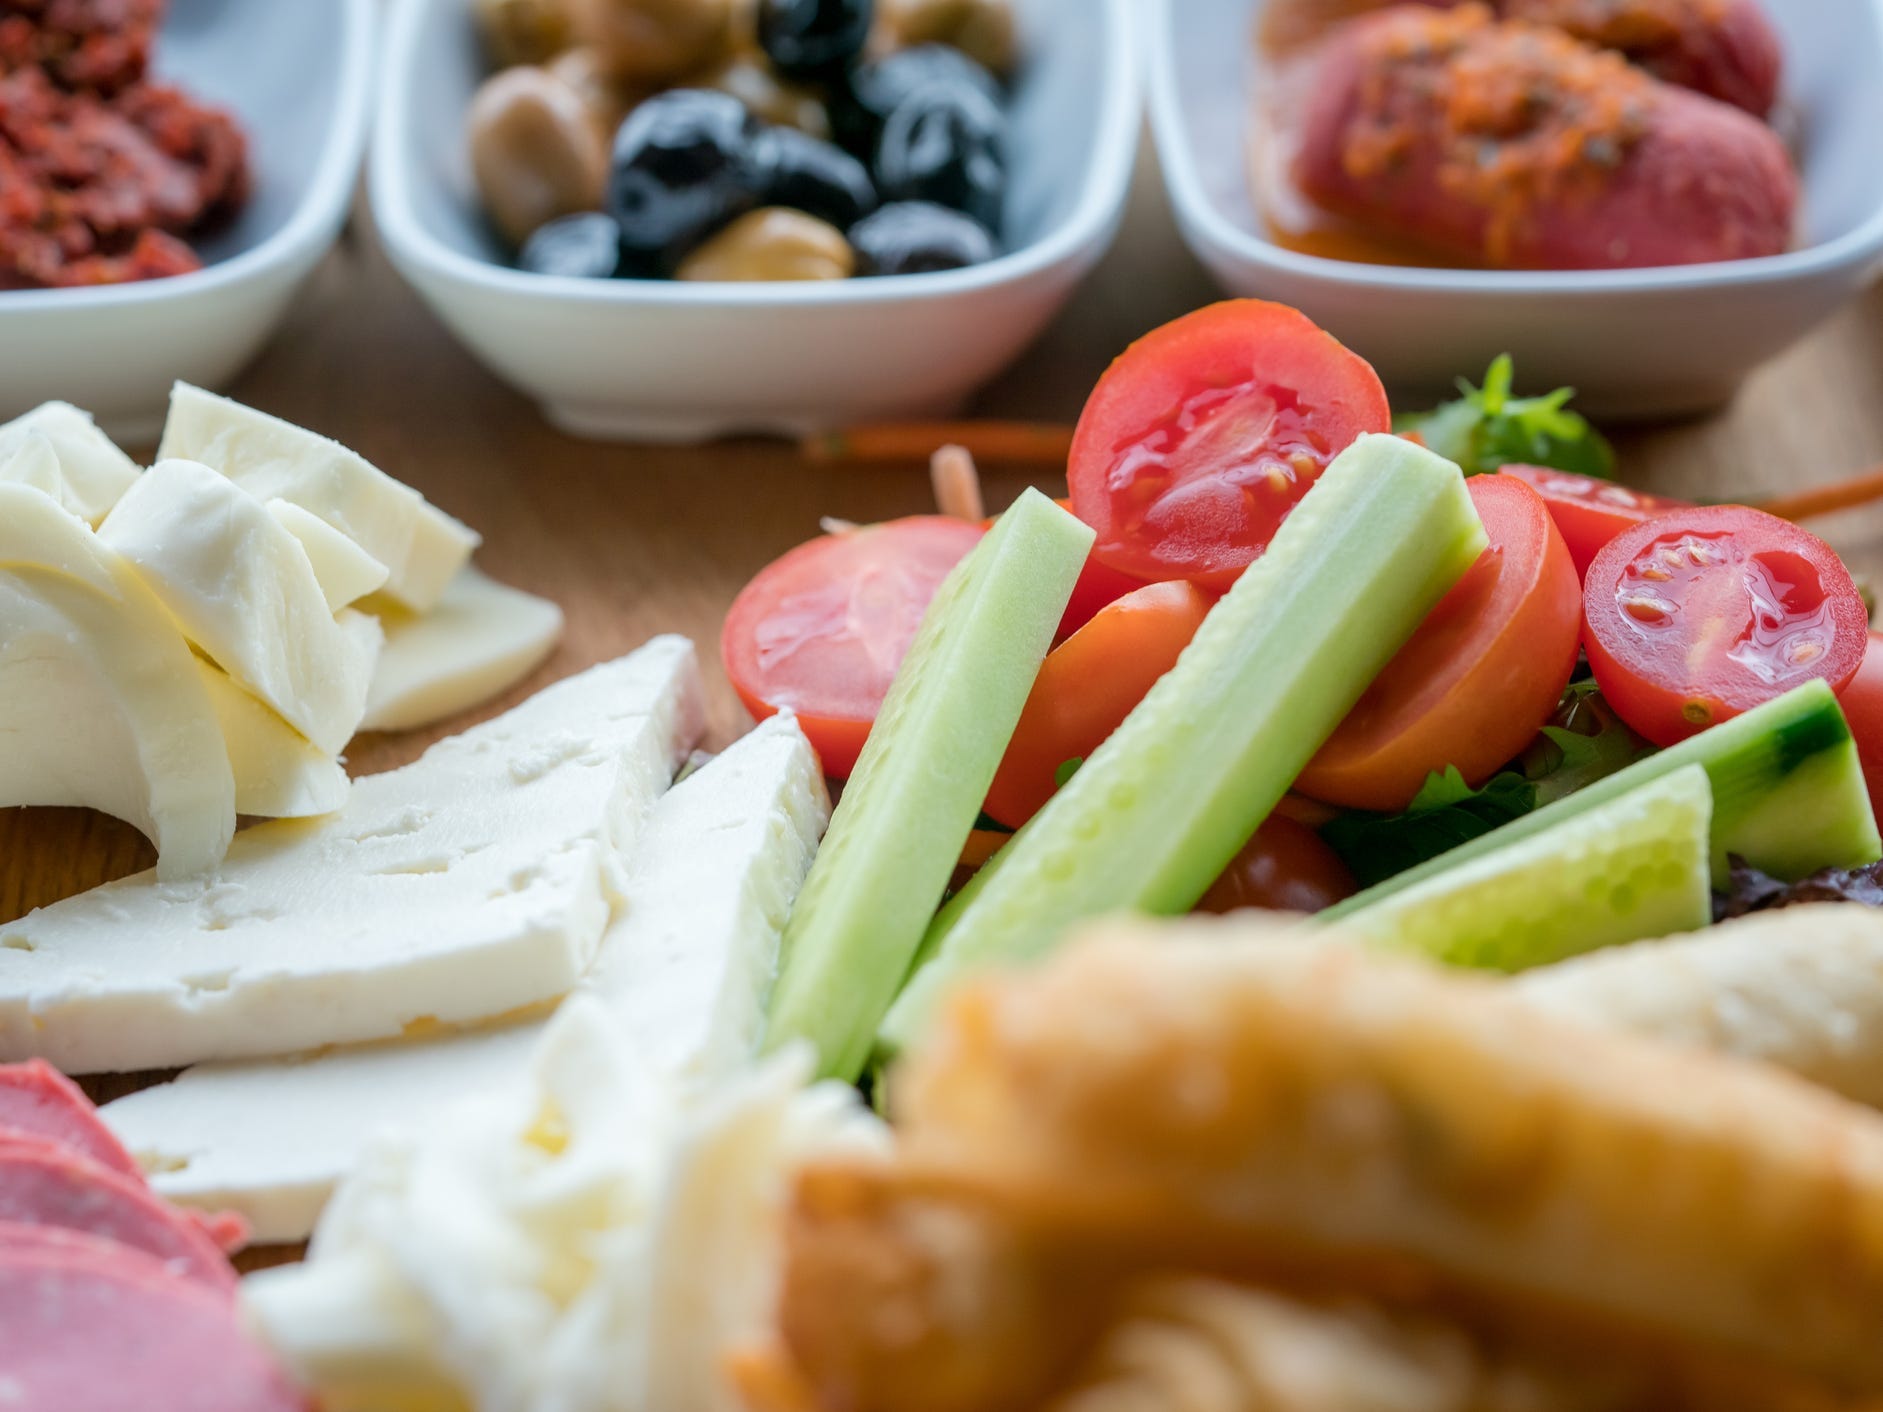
(279,773)
(241,588)
(422,547)
(347,573)
(683,971)
(471,883)
(594,1238)
(481,640)
(93,472)
(100,702)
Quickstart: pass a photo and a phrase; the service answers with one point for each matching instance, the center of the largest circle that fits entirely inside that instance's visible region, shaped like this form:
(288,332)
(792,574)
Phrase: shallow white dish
(299,78)
(1635,342)
(667,361)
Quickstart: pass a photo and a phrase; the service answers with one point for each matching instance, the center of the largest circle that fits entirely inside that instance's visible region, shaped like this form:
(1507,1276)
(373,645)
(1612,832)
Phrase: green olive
(748,77)
(536,150)
(774,243)
(654,41)
(981,29)
(522,31)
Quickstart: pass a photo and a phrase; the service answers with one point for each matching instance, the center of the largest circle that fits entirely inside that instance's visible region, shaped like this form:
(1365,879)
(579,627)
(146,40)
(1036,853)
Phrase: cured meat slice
(44,1184)
(39,1101)
(89,1326)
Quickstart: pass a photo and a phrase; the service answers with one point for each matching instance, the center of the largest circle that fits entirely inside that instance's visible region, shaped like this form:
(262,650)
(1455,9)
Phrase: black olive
(813,38)
(815,177)
(859,111)
(945,144)
(684,163)
(583,246)
(914,237)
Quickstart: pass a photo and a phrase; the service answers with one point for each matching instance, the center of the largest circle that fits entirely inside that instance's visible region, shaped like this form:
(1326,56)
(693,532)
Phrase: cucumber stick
(917,790)
(1157,811)
(1788,796)
(1632,869)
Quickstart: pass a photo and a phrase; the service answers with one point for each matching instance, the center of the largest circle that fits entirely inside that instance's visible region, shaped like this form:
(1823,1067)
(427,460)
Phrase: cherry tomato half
(1478,679)
(1284,868)
(1702,614)
(824,629)
(1087,686)
(1206,432)
(1588,511)
(1862,700)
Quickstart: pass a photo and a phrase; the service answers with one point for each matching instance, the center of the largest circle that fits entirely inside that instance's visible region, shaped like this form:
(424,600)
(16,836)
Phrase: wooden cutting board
(634,541)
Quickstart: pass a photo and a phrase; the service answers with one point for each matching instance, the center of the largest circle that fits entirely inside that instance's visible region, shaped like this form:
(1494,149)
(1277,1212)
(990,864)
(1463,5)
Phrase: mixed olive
(744,139)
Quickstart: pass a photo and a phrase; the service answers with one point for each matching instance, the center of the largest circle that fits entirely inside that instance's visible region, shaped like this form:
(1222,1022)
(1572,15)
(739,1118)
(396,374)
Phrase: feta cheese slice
(422,547)
(683,972)
(347,573)
(99,694)
(471,884)
(241,588)
(92,471)
(482,639)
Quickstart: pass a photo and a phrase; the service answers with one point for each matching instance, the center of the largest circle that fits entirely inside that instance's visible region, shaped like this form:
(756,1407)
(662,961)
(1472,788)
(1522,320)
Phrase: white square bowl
(659,360)
(299,78)
(1634,342)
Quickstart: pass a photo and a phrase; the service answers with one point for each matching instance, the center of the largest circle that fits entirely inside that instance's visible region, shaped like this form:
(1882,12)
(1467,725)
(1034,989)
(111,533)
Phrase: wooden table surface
(634,541)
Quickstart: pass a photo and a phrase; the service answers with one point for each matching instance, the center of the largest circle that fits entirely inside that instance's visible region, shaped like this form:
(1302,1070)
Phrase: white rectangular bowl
(659,360)
(298,76)
(1635,342)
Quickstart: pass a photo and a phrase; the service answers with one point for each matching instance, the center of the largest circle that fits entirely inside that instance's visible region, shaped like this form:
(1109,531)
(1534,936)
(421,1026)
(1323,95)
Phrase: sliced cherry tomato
(1087,686)
(1862,700)
(824,629)
(1702,614)
(1591,512)
(1206,432)
(1479,678)
(1284,868)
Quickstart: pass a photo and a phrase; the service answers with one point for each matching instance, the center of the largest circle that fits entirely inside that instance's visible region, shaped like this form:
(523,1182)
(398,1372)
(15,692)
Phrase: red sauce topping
(102,172)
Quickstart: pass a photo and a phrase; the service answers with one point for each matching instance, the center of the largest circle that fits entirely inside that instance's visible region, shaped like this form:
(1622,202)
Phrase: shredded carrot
(1827,499)
(1004,443)
(957,484)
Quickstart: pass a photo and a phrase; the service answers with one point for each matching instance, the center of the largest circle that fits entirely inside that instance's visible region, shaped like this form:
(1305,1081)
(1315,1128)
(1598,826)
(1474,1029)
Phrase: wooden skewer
(1827,499)
(1002,443)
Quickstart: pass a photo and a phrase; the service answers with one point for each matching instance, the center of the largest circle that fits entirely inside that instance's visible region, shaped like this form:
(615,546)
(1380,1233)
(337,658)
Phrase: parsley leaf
(1587,742)
(1486,429)
(1446,814)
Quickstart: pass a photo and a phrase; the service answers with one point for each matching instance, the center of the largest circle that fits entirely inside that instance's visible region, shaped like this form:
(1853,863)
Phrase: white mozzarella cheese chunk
(422,547)
(593,1237)
(683,971)
(279,773)
(99,694)
(470,884)
(243,590)
(481,640)
(346,572)
(29,460)
(92,471)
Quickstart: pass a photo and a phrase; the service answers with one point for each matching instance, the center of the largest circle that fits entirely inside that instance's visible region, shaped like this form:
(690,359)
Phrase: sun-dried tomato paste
(102,171)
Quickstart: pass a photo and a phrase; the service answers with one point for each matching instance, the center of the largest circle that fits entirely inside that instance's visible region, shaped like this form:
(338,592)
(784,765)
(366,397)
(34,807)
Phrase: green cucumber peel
(1155,813)
(1788,797)
(1632,869)
(917,789)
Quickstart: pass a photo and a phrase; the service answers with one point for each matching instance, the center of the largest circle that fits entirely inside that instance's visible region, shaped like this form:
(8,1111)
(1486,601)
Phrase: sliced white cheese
(473,883)
(683,971)
(591,1237)
(93,472)
(347,573)
(279,773)
(100,702)
(29,460)
(242,589)
(422,547)
(481,640)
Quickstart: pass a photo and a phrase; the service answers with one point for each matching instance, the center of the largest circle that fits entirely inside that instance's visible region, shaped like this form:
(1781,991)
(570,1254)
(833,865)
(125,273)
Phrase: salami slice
(88,1326)
(38,1100)
(44,1184)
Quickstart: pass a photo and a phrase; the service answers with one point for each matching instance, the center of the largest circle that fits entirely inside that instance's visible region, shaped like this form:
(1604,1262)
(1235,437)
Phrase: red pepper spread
(103,171)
